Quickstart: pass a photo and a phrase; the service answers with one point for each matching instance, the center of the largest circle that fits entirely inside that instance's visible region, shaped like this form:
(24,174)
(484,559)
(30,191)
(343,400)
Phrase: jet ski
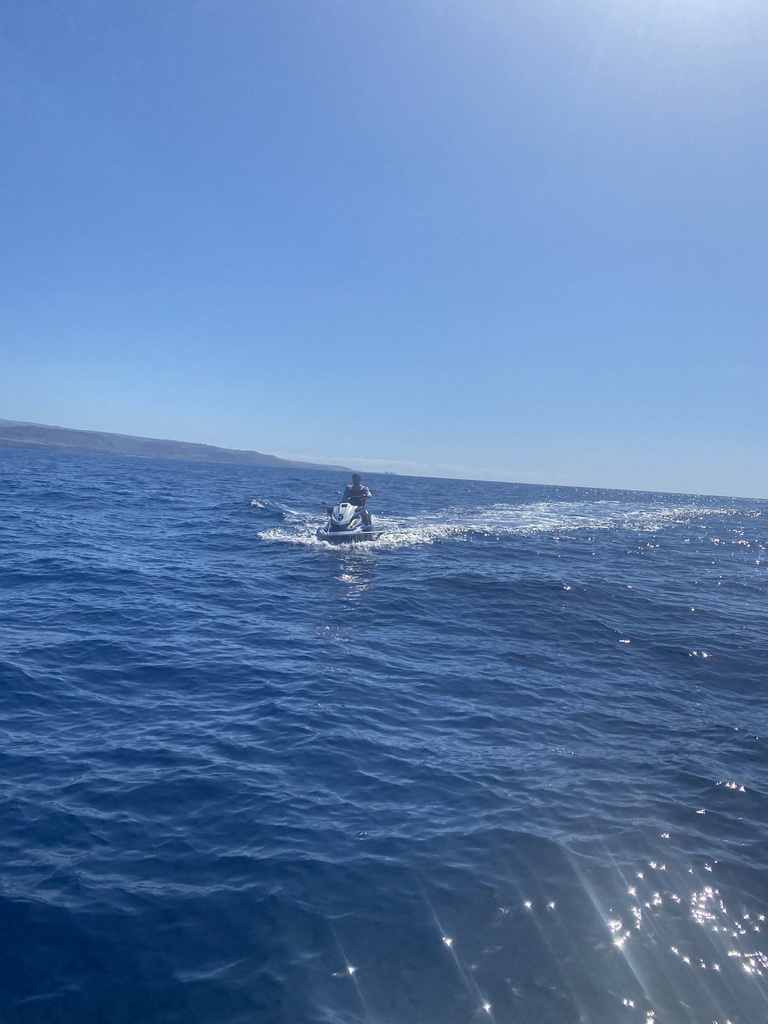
(345,524)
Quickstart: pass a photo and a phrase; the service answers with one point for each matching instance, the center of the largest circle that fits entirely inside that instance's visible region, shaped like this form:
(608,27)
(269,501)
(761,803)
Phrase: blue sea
(508,764)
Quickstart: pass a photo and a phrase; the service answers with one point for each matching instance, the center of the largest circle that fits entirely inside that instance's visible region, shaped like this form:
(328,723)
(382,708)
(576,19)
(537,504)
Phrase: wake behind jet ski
(350,520)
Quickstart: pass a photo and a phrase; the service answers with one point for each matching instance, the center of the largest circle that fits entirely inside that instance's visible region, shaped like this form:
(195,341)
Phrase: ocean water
(507,765)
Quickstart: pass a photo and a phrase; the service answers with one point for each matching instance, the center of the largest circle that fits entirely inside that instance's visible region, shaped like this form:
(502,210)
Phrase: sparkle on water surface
(505,764)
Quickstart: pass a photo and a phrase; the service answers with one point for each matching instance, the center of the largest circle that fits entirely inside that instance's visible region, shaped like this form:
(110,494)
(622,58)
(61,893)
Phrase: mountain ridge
(22,434)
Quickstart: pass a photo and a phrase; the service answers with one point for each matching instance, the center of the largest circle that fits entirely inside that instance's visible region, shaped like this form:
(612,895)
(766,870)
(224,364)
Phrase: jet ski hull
(348,536)
(347,524)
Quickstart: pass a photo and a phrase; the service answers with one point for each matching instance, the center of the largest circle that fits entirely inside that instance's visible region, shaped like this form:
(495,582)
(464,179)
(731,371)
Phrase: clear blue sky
(489,238)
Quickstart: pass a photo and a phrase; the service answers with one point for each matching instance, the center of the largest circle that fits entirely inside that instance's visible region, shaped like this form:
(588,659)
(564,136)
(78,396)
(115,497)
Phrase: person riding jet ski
(350,520)
(357,494)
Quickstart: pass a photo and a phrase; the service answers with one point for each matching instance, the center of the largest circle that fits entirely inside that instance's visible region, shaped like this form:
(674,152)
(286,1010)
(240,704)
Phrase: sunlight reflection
(356,577)
(707,937)
(350,971)
(464,971)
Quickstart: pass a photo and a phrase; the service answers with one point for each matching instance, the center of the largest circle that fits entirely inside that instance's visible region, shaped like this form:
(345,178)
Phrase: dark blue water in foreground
(508,765)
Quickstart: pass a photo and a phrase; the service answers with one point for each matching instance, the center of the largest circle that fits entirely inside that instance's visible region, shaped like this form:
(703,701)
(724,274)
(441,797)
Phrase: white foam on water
(395,536)
(463,523)
(575,516)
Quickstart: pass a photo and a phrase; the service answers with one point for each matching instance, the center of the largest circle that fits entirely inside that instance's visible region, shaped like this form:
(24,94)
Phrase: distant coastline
(18,434)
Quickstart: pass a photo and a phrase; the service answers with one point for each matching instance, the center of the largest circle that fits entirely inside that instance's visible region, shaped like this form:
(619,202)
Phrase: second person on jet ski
(357,493)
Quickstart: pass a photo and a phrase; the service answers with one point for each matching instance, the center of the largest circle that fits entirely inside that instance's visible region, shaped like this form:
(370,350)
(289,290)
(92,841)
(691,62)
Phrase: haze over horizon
(496,241)
(368,467)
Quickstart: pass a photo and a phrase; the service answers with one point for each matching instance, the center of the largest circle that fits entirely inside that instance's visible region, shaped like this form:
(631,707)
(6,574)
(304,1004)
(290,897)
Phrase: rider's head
(355,478)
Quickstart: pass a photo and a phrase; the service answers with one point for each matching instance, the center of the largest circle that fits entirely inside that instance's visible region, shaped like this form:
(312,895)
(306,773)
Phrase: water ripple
(508,763)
